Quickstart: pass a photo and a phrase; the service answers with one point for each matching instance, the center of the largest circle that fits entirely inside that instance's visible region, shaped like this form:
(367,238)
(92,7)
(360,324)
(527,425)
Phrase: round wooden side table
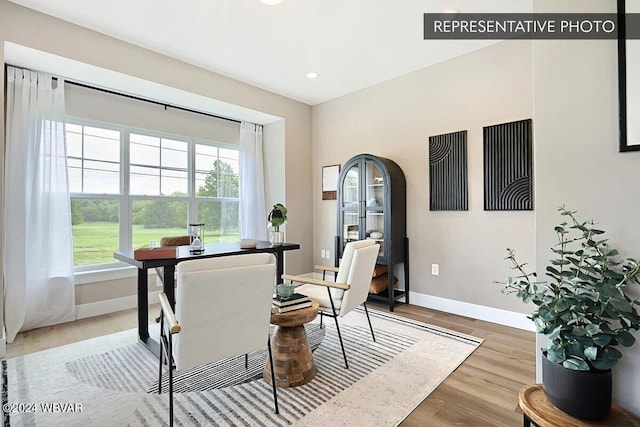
(292,358)
(537,409)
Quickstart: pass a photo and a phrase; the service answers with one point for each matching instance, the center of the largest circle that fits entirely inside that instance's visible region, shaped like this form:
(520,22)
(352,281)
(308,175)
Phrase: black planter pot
(582,394)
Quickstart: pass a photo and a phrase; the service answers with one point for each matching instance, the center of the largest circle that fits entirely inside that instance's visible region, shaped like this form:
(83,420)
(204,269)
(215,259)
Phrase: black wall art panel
(508,167)
(448,188)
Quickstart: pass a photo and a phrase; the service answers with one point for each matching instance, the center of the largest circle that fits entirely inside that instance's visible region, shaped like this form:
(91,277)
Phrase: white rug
(112,381)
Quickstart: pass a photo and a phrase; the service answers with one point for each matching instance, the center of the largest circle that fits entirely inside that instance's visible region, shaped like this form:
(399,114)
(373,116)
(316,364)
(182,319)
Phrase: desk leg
(279,265)
(169,284)
(143,313)
(143,305)
(526,421)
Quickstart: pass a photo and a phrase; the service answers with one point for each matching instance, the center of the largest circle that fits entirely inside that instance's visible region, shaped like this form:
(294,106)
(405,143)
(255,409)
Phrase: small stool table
(537,409)
(292,358)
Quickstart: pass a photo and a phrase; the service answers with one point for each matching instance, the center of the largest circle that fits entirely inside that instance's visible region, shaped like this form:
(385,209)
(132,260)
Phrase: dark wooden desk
(183,254)
(537,409)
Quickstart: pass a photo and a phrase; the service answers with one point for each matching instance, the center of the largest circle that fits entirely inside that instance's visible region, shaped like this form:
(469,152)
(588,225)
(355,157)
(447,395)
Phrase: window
(217,184)
(94,165)
(129,187)
(158,166)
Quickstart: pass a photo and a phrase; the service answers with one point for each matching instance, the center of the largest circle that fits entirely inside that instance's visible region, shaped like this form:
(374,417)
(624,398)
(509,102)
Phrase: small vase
(582,394)
(276,237)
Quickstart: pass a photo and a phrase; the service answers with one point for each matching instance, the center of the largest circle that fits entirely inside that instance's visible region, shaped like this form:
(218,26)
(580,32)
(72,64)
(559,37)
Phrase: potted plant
(585,313)
(277,217)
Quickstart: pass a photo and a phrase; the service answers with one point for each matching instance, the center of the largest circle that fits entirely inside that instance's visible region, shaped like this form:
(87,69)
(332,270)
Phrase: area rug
(112,381)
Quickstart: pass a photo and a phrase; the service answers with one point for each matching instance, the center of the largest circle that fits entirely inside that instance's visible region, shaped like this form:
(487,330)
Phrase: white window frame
(118,269)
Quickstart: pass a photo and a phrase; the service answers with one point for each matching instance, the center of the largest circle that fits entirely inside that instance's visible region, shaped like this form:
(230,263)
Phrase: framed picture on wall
(330,182)
(629,73)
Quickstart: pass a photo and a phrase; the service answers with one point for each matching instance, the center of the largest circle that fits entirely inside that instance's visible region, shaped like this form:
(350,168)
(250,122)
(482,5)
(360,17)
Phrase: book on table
(290,300)
(294,307)
(162,252)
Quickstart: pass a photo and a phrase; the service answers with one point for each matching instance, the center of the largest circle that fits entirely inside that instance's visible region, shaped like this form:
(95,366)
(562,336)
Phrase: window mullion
(125,201)
(82,165)
(160,165)
(192,209)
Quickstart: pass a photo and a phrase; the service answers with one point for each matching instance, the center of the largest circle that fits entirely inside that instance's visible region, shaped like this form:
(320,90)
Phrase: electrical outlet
(323,253)
(328,254)
(435,269)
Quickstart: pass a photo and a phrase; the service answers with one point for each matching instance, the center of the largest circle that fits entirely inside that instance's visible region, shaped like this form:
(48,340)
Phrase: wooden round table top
(296,317)
(536,406)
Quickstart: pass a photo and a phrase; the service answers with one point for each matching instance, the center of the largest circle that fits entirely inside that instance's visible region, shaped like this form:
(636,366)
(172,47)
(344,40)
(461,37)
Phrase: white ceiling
(351,44)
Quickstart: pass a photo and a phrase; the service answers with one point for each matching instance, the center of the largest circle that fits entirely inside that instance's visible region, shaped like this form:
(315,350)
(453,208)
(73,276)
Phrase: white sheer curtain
(38,248)
(253,214)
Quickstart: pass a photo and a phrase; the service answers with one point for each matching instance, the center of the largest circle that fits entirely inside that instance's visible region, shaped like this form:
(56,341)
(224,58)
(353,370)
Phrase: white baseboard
(480,312)
(110,306)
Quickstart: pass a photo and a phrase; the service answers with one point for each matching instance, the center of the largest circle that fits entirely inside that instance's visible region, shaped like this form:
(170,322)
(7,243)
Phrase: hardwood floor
(66,333)
(483,391)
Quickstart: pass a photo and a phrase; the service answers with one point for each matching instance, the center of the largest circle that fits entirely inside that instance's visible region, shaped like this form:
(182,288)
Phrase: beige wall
(105,107)
(395,120)
(577,160)
(104,291)
(290,181)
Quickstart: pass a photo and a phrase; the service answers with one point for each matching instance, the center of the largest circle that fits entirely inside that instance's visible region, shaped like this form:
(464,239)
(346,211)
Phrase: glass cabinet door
(350,188)
(374,204)
(351,230)
(350,205)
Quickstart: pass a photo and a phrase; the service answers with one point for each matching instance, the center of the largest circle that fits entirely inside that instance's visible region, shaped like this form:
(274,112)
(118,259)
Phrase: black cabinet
(372,204)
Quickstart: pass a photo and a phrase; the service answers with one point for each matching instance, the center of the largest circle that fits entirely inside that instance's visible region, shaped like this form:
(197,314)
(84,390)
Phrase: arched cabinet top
(392,171)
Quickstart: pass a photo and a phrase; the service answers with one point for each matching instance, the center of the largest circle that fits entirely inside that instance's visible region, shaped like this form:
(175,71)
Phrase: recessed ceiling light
(312,75)
(271,2)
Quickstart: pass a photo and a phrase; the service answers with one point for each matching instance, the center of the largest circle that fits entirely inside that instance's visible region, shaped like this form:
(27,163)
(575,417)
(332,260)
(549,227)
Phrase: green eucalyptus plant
(277,216)
(583,310)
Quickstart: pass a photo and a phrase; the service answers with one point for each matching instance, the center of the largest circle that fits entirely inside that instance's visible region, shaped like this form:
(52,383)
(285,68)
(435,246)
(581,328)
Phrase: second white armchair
(351,286)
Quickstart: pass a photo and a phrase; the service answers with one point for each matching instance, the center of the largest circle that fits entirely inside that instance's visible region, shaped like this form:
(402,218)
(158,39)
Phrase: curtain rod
(138,98)
(164,104)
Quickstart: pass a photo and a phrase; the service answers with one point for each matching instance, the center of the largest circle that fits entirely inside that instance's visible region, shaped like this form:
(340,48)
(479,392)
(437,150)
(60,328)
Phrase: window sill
(107,274)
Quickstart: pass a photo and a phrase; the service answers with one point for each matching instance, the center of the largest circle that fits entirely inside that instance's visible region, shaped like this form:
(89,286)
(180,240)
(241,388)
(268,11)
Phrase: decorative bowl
(285,290)
(248,243)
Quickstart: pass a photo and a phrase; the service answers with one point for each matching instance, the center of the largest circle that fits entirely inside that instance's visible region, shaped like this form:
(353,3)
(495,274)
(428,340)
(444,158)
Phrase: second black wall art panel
(508,166)
(448,172)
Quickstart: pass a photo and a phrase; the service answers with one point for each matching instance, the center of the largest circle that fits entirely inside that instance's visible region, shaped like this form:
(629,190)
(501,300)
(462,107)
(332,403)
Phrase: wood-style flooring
(483,391)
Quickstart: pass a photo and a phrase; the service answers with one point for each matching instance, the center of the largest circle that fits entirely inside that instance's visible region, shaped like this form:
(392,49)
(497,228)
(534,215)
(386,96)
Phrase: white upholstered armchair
(223,309)
(351,286)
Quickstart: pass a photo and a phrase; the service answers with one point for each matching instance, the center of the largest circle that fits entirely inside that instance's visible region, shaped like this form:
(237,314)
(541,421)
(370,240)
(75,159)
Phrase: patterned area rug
(112,380)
